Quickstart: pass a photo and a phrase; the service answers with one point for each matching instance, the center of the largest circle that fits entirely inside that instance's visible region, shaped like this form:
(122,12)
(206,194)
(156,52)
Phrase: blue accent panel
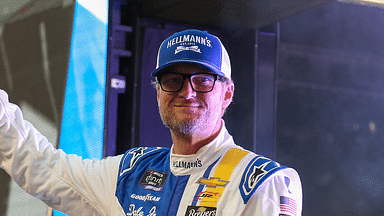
(135,180)
(134,156)
(201,187)
(258,170)
(179,191)
(83,113)
(287,182)
(271,165)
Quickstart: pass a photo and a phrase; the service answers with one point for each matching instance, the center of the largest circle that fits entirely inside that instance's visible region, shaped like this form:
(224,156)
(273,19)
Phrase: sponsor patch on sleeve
(257,171)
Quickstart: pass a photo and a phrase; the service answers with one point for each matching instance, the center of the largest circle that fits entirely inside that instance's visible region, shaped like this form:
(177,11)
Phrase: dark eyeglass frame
(189,76)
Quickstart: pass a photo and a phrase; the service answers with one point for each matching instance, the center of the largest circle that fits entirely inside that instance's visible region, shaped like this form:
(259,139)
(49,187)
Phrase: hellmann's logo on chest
(187,164)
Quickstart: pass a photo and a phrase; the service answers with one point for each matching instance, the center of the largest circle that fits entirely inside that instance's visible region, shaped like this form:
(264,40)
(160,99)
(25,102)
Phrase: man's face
(190,112)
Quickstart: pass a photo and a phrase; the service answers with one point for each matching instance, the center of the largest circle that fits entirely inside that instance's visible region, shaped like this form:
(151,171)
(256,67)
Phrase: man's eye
(204,80)
(173,79)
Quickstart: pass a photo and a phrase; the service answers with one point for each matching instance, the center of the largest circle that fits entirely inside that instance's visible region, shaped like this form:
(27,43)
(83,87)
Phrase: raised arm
(65,182)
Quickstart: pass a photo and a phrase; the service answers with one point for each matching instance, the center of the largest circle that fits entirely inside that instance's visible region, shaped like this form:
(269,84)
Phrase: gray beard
(187,127)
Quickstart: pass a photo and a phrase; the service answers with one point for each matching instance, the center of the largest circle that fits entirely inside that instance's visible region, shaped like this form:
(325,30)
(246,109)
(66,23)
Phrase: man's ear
(157,87)
(228,94)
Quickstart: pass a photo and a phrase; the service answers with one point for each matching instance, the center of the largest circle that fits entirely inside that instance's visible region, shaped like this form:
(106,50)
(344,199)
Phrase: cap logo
(186,40)
(196,47)
(191,48)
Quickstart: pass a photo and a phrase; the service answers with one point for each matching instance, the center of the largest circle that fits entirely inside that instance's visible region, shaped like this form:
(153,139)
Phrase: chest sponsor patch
(200,211)
(211,195)
(145,198)
(153,180)
(187,164)
(212,182)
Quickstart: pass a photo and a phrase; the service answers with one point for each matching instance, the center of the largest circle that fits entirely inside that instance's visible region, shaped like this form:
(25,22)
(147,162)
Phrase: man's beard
(186,126)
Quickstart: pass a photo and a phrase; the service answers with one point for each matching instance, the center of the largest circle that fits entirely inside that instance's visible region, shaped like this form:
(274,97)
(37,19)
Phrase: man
(204,173)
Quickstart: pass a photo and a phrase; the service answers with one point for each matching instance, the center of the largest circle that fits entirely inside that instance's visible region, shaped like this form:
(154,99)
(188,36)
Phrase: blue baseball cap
(197,47)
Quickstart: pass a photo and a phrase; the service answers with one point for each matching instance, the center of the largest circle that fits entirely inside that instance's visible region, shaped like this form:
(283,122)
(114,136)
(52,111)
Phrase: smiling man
(203,174)
(192,100)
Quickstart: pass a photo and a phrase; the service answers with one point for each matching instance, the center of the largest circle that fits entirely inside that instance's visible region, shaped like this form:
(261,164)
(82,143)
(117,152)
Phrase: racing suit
(220,179)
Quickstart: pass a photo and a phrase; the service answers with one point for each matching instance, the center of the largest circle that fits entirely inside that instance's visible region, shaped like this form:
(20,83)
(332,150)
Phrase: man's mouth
(188,105)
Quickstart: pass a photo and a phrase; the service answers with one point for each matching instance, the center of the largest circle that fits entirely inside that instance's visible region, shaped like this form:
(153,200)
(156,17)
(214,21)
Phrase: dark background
(330,107)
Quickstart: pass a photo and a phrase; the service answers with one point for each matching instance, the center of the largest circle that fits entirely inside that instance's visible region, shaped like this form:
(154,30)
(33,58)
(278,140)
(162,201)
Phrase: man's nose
(187,91)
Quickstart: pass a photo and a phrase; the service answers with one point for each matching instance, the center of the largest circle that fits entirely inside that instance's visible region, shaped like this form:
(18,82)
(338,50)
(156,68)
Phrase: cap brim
(208,66)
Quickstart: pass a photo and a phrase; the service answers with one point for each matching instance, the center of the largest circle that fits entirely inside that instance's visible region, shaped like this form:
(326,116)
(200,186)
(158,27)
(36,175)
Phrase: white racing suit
(220,179)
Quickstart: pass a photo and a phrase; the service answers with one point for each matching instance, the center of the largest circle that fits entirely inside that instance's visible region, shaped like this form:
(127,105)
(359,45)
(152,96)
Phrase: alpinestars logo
(200,211)
(257,173)
(133,156)
(136,154)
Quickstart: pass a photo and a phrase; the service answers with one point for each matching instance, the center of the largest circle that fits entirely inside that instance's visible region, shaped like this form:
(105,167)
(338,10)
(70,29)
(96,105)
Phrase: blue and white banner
(83,114)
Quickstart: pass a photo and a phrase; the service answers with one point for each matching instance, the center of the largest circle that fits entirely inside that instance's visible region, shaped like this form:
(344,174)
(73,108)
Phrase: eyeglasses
(200,82)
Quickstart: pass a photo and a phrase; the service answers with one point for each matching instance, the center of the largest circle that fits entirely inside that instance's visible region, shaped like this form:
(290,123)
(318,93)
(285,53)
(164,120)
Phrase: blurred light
(372,127)
(373,3)
(356,127)
(98,8)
